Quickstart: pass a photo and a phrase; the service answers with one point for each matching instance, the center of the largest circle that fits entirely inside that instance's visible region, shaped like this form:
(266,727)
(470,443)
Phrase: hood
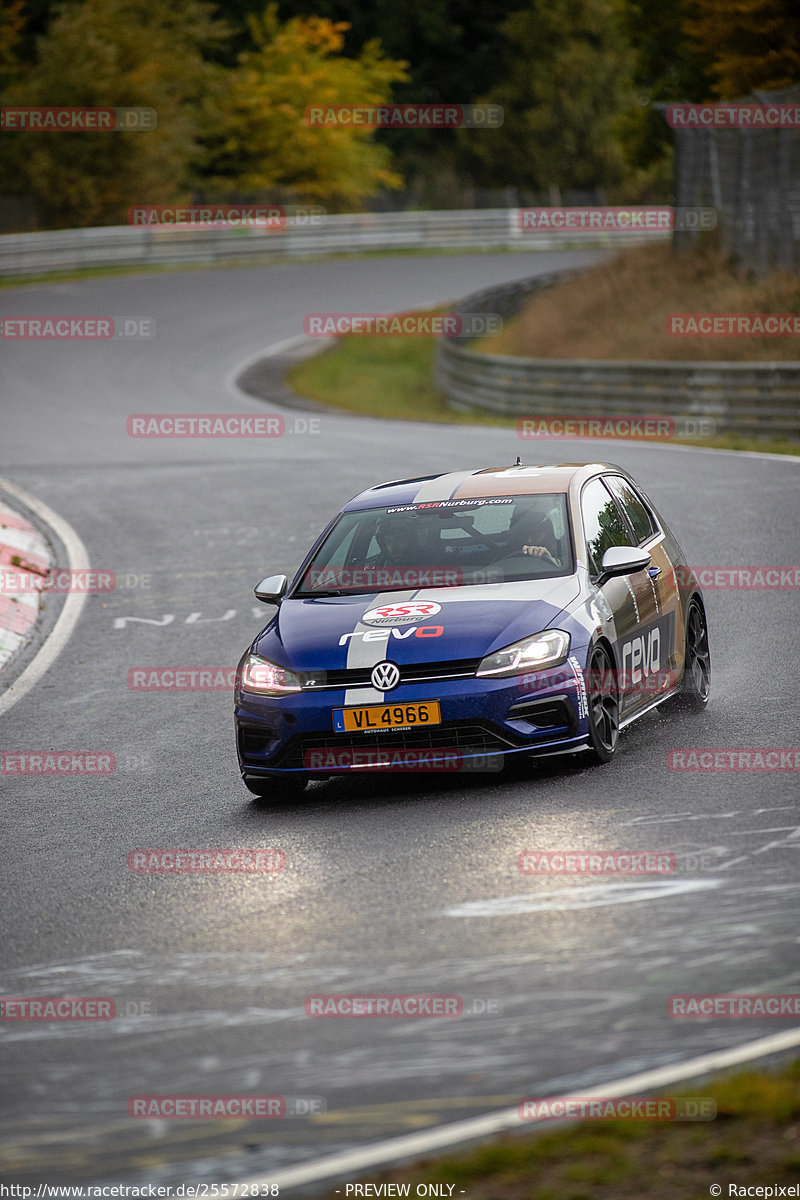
(432,625)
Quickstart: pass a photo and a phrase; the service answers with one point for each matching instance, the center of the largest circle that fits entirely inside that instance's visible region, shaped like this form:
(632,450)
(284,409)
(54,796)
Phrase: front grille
(467,739)
(353,677)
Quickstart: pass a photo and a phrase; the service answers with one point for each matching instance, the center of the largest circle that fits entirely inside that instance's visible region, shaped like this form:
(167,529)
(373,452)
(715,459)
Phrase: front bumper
(483,721)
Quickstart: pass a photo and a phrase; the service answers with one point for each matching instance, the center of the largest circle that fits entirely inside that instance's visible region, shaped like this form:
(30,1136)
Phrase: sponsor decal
(379,635)
(645,653)
(577,670)
(404,613)
(470,502)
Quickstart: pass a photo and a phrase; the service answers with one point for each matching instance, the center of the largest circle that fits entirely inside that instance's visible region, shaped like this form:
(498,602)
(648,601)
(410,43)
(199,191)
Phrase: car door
(630,598)
(669,616)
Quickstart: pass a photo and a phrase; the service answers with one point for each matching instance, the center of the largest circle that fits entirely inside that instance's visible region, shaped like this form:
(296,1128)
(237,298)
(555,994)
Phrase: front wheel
(696,682)
(603,701)
(274,787)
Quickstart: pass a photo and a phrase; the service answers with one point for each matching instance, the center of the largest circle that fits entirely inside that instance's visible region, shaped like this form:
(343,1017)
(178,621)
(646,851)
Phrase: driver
(401,542)
(532,533)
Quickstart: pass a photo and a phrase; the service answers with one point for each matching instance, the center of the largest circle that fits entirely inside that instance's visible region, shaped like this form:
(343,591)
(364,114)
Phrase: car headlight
(531,654)
(266,678)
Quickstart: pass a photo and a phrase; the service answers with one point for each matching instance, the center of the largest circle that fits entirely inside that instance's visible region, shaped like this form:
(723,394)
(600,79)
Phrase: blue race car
(448,621)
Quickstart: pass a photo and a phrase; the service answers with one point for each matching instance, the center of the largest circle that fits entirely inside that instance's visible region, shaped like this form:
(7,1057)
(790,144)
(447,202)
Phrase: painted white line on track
(290,343)
(412,1145)
(56,640)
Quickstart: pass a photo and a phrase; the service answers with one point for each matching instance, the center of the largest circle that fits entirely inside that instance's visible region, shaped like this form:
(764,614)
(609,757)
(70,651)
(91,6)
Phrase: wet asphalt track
(392,884)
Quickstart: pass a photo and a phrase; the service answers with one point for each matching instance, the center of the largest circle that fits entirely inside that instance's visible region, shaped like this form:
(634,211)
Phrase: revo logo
(644,653)
(380,635)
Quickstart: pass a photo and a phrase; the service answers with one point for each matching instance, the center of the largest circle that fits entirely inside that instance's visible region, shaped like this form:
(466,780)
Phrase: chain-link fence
(751,176)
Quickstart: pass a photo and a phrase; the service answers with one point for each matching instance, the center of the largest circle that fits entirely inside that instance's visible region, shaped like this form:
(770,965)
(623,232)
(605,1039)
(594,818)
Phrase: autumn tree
(750,44)
(263,141)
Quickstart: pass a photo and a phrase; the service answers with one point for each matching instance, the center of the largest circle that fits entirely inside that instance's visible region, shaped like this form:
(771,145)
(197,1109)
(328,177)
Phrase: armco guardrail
(170,245)
(751,398)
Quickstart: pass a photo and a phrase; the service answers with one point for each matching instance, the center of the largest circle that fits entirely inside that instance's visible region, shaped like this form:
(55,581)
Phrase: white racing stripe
(54,643)
(348,1163)
(368,654)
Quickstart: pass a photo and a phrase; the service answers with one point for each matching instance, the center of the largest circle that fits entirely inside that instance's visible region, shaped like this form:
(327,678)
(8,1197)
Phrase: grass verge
(392,377)
(619,309)
(754,1140)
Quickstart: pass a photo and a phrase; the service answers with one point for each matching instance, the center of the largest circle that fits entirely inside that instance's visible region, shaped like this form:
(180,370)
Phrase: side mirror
(272,589)
(622,560)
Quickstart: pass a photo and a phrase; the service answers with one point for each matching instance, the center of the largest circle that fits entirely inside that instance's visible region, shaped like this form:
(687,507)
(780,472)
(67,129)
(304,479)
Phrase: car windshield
(442,543)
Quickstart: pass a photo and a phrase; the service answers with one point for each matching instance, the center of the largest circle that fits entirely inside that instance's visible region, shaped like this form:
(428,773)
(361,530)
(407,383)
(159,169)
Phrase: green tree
(263,141)
(667,68)
(117,53)
(566,78)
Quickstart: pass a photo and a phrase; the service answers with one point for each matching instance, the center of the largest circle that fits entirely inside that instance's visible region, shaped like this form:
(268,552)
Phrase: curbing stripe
(54,643)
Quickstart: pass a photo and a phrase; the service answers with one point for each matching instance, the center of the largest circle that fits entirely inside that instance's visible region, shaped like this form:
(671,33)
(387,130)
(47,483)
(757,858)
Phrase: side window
(633,507)
(602,522)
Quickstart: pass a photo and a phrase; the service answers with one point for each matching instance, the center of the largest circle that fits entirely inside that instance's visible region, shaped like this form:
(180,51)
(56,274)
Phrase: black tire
(275,787)
(696,682)
(603,702)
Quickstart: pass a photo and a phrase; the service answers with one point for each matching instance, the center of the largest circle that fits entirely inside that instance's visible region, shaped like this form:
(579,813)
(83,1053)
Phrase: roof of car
(515,480)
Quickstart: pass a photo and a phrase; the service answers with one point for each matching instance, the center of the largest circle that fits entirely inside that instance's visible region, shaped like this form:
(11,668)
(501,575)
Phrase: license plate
(386,716)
